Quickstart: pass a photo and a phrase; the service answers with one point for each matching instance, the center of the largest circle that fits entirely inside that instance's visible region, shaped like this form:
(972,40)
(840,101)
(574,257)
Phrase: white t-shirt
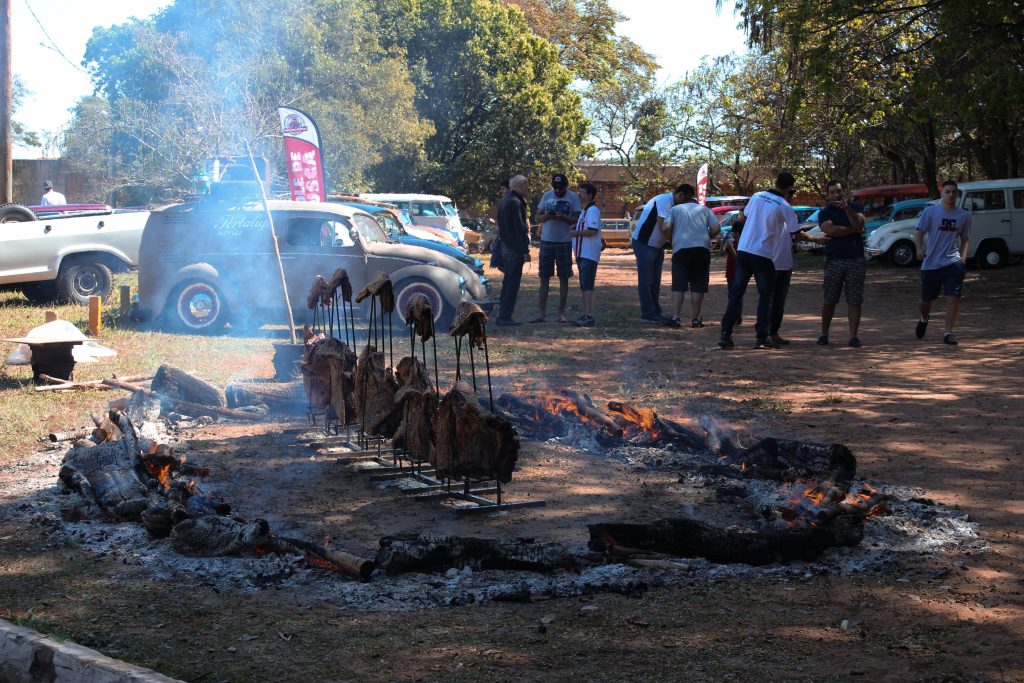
(767,232)
(691,223)
(53,198)
(588,247)
(646,229)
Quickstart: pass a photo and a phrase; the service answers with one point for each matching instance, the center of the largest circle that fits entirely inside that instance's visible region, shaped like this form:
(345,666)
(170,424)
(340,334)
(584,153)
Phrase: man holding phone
(558,211)
(842,222)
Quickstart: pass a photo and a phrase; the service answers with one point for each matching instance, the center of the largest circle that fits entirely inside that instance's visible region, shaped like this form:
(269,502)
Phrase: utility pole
(6,101)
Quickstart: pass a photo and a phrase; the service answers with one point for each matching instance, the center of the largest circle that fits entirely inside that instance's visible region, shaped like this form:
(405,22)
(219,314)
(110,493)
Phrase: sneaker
(739,321)
(779,341)
(584,321)
(673,322)
(764,343)
(949,339)
(922,325)
(823,340)
(507,322)
(855,342)
(725,342)
(696,323)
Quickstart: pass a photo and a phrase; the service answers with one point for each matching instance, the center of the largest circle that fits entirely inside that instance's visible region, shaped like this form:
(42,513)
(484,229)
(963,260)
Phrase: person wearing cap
(50,196)
(558,211)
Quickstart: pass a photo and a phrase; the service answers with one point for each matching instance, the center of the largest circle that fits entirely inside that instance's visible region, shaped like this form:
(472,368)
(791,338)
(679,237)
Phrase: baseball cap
(47,184)
(559,180)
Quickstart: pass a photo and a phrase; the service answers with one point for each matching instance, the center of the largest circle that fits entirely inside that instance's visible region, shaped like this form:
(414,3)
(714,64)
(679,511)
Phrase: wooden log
(187,406)
(179,385)
(662,430)
(95,315)
(74,435)
(73,386)
(691,538)
(279,397)
(592,413)
(792,460)
(409,553)
(346,563)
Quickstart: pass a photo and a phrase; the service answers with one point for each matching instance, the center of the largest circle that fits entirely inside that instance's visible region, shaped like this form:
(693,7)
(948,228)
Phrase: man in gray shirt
(558,211)
(948,230)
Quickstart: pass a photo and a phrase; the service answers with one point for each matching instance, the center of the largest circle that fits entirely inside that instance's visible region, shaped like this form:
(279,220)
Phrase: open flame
(821,503)
(645,418)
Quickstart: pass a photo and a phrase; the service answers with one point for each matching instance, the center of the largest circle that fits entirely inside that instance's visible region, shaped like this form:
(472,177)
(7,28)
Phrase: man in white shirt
(648,241)
(586,248)
(766,234)
(691,227)
(50,196)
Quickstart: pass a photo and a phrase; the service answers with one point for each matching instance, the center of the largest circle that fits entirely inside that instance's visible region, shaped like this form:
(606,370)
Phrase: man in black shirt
(514,235)
(842,222)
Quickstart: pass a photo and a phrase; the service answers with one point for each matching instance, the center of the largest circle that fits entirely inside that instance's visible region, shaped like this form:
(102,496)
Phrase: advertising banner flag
(702,185)
(303,156)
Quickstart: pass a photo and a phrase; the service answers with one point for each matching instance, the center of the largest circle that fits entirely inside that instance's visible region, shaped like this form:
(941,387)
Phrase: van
(876,199)
(997,226)
(427,209)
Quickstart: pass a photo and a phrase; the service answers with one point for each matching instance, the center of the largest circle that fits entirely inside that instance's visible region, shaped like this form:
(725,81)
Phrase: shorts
(950,279)
(588,273)
(848,274)
(691,270)
(554,254)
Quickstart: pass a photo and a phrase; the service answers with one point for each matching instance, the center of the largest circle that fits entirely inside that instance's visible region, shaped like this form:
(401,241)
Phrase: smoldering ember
(368,480)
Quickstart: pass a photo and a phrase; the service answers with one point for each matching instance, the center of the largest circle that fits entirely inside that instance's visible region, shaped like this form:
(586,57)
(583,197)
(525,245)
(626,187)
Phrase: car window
(389,223)
(986,200)
(336,233)
(449,208)
(904,214)
(305,231)
(426,209)
(368,228)
(1018,199)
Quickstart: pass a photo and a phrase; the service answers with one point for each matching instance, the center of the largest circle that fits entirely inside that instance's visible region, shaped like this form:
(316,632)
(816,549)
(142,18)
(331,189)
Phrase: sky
(47,48)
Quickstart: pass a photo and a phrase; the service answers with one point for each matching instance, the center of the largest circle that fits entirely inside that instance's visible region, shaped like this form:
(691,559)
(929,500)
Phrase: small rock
(844,624)
(232,649)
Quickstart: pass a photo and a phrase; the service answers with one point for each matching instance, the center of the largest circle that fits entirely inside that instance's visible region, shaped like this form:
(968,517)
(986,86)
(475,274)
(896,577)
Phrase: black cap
(559,180)
(47,184)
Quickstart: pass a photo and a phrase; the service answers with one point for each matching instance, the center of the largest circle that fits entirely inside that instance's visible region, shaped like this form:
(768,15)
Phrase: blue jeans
(649,261)
(779,293)
(513,276)
(762,270)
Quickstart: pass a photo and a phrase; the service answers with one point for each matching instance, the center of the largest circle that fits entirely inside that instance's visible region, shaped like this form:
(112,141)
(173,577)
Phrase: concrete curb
(27,656)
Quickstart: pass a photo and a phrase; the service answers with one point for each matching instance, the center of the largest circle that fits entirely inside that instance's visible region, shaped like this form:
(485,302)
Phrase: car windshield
(449,208)
(369,229)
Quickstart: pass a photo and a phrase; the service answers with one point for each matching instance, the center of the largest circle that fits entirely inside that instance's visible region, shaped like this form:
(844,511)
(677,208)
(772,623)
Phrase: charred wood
(470,441)
(179,385)
(408,553)
(279,397)
(691,538)
(791,460)
(216,535)
(592,413)
(337,560)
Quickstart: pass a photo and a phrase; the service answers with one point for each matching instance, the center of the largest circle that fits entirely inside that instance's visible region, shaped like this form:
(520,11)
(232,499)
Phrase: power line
(53,43)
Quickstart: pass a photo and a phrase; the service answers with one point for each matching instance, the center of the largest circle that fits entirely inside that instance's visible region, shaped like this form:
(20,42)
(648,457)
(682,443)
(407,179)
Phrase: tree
(20,135)
(498,99)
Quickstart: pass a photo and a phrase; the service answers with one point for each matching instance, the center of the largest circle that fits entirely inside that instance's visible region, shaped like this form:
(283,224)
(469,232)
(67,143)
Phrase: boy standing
(948,230)
(587,249)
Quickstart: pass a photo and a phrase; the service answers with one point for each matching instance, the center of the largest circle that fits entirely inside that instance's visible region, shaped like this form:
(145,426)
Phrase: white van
(434,210)
(997,225)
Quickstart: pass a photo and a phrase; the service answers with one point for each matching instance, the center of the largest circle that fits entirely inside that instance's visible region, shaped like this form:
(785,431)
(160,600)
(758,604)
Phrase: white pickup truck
(67,252)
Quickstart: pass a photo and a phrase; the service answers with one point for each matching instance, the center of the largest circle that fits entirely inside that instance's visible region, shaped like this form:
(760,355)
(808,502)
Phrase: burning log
(823,503)
(418,404)
(328,379)
(470,320)
(335,560)
(279,397)
(375,394)
(791,460)
(408,553)
(178,385)
(691,538)
(420,317)
(470,441)
(216,535)
(661,429)
(592,413)
(538,422)
(379,286)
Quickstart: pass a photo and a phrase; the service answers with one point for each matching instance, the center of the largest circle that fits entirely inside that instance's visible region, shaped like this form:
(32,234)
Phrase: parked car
(876,199)
(737,201)
(65,253)
(425,232)
(909,208)
(432,210)
(394,223)
(803,213)
(997,226)
(204,264)
(615,233)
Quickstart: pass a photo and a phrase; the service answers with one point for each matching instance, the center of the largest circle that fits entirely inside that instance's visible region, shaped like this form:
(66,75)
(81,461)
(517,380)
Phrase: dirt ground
(915,413)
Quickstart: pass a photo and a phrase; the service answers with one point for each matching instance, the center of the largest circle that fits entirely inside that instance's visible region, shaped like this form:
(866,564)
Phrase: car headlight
(462,285)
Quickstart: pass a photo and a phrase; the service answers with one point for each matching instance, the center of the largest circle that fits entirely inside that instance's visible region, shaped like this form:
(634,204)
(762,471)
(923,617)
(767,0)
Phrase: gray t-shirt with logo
(942,233)
(556,229)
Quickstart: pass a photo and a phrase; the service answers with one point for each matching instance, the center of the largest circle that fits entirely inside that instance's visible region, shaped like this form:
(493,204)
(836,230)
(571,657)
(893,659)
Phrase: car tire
(903,254)
(196,307)
(40,292)
(444,312)
(15,213)
(81,278)
(991,255)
